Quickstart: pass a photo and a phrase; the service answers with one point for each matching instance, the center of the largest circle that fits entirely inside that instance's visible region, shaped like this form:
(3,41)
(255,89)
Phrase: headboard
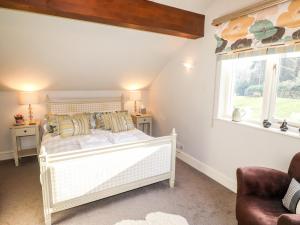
(71,106)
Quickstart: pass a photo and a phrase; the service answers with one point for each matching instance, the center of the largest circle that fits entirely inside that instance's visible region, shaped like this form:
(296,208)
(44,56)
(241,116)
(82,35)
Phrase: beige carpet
(196,197)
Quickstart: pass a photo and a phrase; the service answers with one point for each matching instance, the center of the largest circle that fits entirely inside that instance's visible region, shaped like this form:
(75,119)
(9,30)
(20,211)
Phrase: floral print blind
(276,25)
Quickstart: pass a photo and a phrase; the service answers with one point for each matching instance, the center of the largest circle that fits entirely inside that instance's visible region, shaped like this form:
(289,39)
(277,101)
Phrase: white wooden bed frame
(63,106)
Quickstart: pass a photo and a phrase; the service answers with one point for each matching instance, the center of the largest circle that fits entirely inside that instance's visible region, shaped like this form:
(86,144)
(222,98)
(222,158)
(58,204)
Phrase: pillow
(103,120)
(53,122)
(81,125)
(99,121)
(66,128)
(115,121)
(292,197)
(121,121)
(75,125)
(90,117)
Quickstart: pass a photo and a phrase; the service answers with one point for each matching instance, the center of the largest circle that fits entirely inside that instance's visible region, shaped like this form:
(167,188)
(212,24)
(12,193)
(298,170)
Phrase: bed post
(173,158)
(122,102)
(45,186)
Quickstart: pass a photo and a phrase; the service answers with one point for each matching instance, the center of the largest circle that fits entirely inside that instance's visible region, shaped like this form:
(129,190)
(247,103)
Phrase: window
(263,87)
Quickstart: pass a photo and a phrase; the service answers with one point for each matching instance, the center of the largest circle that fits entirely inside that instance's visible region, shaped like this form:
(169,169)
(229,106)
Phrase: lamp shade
(26,98)
(135,95)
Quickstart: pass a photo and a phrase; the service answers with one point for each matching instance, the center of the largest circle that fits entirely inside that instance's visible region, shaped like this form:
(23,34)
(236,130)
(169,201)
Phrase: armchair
(259,194)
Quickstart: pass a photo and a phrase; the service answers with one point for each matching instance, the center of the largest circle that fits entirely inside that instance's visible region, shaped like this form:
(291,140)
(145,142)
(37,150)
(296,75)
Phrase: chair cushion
(252,210)
(292,197)
(294,169)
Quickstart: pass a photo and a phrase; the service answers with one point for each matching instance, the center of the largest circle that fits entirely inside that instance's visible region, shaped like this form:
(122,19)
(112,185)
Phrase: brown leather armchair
(259,194)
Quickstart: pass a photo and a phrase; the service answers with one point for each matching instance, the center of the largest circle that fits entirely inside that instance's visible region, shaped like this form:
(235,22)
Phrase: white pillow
(292,197)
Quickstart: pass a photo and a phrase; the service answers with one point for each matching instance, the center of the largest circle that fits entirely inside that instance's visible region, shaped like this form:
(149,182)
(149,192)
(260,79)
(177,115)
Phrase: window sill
(292,132)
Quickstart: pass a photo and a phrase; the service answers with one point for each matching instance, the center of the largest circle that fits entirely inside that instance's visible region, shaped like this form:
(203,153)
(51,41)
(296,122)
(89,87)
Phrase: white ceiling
(52,53)
(197,6)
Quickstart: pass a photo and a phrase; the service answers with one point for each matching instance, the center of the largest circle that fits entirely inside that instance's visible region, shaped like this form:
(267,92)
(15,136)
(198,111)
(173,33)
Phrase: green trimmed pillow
(53,123)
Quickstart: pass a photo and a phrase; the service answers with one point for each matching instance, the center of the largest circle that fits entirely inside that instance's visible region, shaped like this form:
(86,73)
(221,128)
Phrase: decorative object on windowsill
(29,98)
(267,124)
(284,126)
(135,96)
(19,119)
(238,115)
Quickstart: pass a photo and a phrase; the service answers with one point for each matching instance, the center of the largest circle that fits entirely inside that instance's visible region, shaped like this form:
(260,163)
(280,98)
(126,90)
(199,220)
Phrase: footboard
(78,177)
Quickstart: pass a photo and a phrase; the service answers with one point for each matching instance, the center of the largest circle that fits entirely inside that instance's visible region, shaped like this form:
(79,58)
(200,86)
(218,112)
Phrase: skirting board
(208,171)
(190,160)
(5,155)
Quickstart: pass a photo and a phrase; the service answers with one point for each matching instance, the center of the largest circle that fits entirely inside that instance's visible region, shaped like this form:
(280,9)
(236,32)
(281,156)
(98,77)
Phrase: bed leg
(172,183)
(47,218)
(173,160)
(45,182)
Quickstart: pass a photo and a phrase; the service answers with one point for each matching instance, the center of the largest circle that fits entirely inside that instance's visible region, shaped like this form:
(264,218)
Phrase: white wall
(184,100)
(46,52)
(10,106)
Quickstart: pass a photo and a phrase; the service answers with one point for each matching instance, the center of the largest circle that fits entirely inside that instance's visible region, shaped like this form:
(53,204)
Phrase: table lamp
(29,98)
(135,96)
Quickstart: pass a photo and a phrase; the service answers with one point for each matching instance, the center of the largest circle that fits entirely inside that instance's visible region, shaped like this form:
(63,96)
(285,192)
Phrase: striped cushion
(90,117)
(76,125)
(292,197)
(81,124)
(121,121)
(66,128)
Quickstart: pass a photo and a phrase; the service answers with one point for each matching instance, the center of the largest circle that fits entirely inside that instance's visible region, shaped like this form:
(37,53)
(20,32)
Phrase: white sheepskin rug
(157,218)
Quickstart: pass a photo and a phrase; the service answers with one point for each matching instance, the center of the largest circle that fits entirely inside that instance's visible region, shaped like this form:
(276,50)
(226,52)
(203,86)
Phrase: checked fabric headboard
(72,106)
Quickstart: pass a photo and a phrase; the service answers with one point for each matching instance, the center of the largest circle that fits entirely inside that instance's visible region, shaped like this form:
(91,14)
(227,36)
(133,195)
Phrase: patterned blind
(276,25)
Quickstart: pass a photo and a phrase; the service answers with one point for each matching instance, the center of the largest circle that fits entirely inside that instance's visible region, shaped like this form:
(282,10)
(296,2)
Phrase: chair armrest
(289,219)
(262,182)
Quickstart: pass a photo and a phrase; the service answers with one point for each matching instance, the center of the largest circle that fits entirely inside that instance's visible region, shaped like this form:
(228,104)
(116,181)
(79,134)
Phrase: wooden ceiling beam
(136,14)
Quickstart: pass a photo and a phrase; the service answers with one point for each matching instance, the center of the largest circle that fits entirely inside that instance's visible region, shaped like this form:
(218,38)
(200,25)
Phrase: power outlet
(179,146)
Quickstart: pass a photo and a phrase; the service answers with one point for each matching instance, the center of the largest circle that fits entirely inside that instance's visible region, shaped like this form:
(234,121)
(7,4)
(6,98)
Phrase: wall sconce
(188,65)
(29,98)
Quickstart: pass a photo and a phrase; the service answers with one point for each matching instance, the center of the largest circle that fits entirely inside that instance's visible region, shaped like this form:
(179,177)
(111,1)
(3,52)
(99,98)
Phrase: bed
(79,170)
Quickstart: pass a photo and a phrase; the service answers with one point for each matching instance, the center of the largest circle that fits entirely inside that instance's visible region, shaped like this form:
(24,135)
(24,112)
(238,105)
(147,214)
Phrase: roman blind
(273,26)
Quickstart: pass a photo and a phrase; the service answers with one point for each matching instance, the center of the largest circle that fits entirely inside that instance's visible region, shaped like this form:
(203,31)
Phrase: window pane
(248,83)
(288,90)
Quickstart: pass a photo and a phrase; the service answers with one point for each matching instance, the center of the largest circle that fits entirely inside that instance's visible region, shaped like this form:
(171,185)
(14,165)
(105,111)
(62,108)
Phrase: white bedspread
(97,138)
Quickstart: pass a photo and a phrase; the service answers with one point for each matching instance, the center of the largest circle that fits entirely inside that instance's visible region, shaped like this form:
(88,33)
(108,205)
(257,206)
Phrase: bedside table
(143,122)
(17,132)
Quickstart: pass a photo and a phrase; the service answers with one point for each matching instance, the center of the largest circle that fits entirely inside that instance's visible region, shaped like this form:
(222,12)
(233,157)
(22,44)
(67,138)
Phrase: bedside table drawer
(144,120)
(25,131)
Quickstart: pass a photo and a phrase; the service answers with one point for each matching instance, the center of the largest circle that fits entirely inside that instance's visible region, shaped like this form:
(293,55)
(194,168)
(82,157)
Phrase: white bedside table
(17,132)
(143,122)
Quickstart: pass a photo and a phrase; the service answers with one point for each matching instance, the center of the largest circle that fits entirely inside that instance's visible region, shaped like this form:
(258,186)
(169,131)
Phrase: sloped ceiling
(39,52)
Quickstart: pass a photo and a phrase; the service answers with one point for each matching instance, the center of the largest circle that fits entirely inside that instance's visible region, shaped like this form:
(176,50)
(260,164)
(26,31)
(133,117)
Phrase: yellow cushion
(81,124)
(76,125)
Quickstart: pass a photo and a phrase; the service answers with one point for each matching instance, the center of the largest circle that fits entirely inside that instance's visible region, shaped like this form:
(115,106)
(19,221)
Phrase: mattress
(97,138)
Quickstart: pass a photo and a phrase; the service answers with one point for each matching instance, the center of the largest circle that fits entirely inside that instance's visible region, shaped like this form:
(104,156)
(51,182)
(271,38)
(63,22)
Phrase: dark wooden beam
(137,14)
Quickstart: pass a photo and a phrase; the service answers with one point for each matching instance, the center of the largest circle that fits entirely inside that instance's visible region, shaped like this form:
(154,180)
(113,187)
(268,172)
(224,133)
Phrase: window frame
(269,97)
